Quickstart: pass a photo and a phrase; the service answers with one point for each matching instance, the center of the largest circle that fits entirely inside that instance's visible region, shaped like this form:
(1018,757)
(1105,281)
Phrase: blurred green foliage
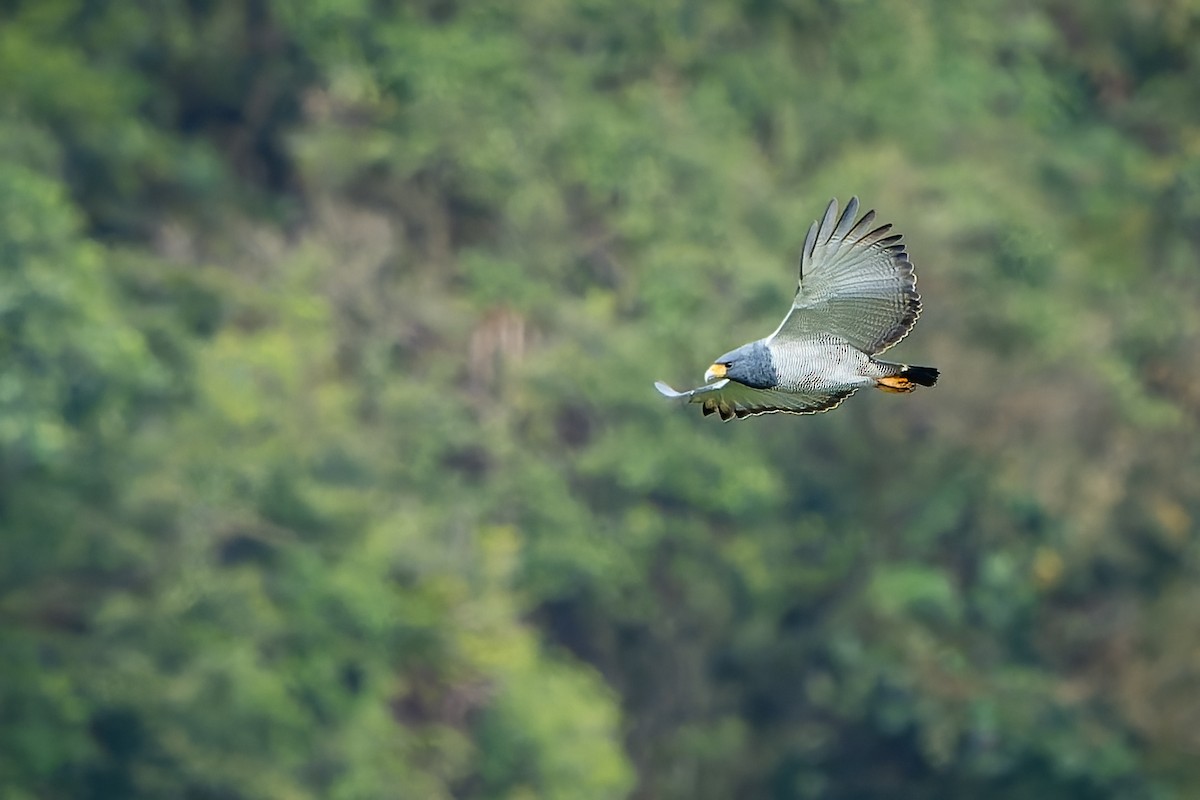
(330,464)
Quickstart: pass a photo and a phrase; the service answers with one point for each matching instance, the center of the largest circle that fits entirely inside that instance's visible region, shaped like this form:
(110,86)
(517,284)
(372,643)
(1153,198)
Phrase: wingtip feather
(846,221)
(827,222)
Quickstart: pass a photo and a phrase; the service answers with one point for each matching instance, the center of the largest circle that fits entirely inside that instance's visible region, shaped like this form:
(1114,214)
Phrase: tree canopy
(331,465)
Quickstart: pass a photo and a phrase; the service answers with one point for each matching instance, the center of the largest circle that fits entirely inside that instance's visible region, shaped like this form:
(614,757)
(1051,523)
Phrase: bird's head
(750,365)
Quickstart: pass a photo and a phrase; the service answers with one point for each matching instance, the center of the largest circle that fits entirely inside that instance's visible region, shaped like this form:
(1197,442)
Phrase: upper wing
(731,399)
(856,282)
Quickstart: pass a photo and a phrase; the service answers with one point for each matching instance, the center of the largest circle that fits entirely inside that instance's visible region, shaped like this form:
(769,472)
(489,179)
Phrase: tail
(905,379)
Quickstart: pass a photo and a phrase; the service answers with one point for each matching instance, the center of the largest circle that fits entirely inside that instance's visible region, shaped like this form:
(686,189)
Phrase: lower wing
(731,399)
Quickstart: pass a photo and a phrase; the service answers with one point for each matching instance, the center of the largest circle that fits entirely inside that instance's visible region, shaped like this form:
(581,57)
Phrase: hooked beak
(714,372)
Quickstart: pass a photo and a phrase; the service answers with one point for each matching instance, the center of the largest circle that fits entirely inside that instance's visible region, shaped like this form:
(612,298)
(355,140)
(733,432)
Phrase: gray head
(750,364)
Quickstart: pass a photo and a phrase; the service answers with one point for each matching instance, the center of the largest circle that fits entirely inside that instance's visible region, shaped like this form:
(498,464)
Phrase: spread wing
(856,282)
(731,399)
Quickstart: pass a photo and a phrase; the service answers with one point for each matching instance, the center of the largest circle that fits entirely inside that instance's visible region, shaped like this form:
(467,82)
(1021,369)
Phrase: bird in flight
(857,297)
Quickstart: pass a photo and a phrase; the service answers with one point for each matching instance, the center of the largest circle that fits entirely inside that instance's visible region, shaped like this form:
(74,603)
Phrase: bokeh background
(331,466)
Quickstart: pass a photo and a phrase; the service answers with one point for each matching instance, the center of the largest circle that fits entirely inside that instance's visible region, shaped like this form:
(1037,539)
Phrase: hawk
(857,297)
